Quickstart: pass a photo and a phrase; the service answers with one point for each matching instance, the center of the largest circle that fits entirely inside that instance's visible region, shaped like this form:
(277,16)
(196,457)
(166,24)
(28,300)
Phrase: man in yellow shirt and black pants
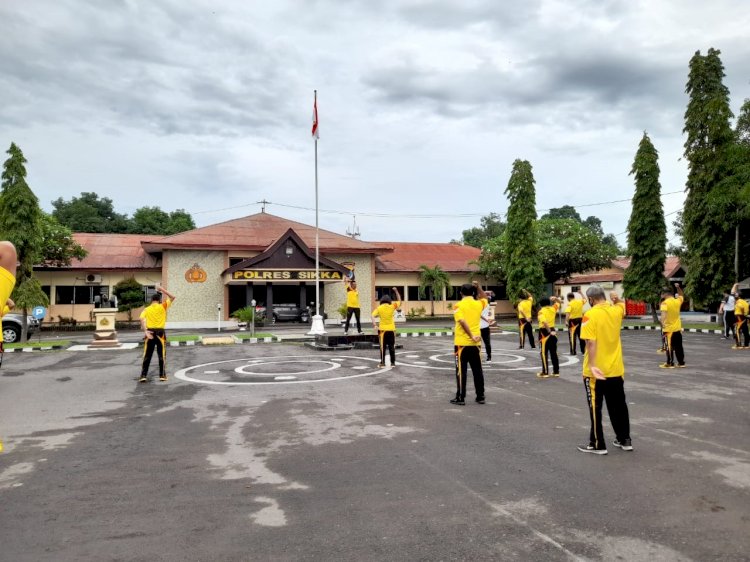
(153,321)
(525,328)
(548,337)
(604,371)
(387,326)
(467,341)
(671,327)
(573,316)
(352,304)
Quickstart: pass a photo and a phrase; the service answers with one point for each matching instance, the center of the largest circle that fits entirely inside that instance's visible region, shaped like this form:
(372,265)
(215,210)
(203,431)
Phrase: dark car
(12,327)
(286,313)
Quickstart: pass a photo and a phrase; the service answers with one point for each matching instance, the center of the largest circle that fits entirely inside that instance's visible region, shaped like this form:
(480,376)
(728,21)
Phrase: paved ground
(368,464)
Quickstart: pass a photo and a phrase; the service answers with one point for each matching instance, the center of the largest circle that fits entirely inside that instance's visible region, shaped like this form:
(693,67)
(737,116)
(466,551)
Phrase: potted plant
(244,316)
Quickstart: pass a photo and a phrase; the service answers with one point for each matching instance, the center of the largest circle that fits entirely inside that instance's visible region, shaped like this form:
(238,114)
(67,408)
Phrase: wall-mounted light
(289,249)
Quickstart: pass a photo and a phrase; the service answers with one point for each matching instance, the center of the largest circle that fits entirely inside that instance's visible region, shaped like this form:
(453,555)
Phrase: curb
(691,330)
(424,334)
(30,349)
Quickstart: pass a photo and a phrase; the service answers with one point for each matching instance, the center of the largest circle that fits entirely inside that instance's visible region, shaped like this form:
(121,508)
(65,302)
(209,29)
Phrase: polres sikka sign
(285,275)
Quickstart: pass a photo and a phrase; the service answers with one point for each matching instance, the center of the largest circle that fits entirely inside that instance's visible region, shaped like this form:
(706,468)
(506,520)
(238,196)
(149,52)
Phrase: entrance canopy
(288,260)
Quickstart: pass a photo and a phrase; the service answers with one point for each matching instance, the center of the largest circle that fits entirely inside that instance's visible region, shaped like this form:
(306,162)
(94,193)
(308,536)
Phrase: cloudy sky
(424,104)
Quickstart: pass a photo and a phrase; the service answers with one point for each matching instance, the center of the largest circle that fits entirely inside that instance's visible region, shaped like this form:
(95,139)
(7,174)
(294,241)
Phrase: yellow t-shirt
(524,308)
(7,282)
(352,298)
(6,310)
(671,306)
(575,309)
(741,307)
(548,313)
(386,313)
(156,314)
(469,310)
(603,323)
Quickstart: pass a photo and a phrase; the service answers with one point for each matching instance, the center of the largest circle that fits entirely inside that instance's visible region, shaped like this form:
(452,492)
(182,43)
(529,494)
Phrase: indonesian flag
(315,130)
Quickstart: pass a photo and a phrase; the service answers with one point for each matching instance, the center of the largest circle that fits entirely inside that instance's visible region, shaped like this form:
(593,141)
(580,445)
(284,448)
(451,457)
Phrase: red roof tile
(114,251)
(671,267)
(258,232)
(408,256)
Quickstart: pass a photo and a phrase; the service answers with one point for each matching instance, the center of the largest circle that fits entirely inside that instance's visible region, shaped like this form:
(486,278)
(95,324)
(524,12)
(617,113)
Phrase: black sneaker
(626,444)
(480,400)
(458,402)
(590,449)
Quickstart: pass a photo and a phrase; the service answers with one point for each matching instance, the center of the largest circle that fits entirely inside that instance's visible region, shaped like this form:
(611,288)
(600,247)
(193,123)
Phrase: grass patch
(422,330)
(257,335)
(185,337)
(64,343)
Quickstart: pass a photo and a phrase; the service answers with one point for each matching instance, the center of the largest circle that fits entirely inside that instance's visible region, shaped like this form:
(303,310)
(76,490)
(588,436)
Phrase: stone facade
(196,302)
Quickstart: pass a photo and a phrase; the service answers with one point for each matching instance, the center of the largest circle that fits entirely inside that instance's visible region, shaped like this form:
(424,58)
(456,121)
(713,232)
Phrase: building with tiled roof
(262,258)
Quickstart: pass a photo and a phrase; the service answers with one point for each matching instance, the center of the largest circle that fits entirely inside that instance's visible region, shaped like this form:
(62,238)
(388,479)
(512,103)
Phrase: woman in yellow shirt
(387,326)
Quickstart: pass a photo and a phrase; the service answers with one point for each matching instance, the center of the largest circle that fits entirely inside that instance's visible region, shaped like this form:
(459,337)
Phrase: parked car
(285,313)
(12,326)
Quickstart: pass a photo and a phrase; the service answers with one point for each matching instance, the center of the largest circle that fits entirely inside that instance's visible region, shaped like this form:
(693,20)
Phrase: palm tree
(436,280)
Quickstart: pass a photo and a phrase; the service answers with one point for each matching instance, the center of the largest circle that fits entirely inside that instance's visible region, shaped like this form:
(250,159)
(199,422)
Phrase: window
(498,292)
(382,290)
(453,293)
(413,292)
(575,289)
(46,290)
(81,294)
(235,261)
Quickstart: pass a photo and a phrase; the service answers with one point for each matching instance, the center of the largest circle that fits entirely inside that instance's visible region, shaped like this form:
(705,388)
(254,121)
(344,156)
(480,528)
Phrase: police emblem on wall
(196,274)
(350,266)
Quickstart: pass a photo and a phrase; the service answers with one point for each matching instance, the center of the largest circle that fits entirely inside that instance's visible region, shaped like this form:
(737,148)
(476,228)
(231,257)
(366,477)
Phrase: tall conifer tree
(647,231)
(708,236)
(523,267)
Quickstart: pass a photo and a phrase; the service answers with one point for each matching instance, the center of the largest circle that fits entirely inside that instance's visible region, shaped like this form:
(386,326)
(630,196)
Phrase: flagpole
(317,321)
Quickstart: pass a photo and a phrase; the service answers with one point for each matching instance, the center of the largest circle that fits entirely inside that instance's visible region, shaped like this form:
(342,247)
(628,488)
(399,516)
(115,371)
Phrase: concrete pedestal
(105,335)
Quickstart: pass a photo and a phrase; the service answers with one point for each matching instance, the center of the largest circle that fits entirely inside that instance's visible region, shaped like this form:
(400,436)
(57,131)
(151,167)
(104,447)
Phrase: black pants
(158,343)
(349,312)
(387,340)
(574,331)
(612,390)
(674,348)
(487,343)
(742,330)
(548,346)
(468,356)
(525,332)
(729,321)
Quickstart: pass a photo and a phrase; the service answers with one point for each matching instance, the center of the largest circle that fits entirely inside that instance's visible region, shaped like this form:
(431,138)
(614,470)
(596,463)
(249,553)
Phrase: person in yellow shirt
(352,304)
(671,327)
(548,336)
(741,319)
(387,325)
(573,315)
(467,341)
(153,321)
(8,262)
(525,321)
(604,371)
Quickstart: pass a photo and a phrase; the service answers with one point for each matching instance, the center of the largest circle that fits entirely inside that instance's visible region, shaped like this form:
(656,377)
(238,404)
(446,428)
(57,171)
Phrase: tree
(491,227)
(21,223)
(129,295)
(567,246)
(708,238)
(433,280)
(564,212)
(59,248)
(88,213)
(522,263)
(647,230)
(152,220)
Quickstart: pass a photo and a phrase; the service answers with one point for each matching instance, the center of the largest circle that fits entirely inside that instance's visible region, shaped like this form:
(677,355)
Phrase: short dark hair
(156,297)
(467,289)
(571,296)
(385,299)
(544,301)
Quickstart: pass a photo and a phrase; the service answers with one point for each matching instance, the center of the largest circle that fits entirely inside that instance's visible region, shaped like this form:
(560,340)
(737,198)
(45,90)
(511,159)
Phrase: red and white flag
(315,130)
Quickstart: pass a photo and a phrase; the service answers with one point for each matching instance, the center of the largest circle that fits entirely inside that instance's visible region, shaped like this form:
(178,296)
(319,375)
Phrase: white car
(12,327)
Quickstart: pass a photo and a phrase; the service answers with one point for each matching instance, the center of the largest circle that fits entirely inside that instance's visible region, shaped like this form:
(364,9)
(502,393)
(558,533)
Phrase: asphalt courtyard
(280,452)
